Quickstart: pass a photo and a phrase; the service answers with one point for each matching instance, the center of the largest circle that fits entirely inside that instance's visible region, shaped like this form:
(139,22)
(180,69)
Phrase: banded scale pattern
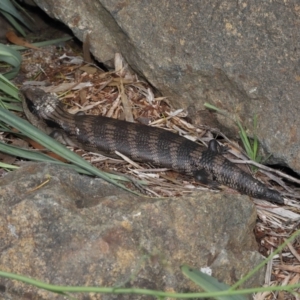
(227,173)
(139,142)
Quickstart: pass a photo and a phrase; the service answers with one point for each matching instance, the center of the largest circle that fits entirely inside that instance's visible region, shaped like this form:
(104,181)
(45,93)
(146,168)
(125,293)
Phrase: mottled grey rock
(77,230)
(241,56)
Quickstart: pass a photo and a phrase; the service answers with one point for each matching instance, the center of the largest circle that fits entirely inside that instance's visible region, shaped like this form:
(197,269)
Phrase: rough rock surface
(76,230)
(238,55)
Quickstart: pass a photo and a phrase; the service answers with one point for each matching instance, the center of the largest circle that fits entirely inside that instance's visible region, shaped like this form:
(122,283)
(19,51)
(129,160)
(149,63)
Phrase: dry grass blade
(293,251)
(127,159)
(126,104)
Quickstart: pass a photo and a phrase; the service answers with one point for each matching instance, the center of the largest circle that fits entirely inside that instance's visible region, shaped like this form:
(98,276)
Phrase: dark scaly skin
(229,174)
(139,142)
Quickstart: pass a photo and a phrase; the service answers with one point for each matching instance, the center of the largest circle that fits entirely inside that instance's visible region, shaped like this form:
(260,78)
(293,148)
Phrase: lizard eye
(32,108)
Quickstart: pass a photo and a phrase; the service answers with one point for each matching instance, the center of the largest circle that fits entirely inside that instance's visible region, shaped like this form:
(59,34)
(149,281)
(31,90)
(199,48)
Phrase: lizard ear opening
(52,124)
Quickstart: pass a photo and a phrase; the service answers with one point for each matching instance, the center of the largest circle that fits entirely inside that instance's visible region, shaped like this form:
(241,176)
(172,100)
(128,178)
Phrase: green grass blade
(8,88)
(255,147)
(10,106)
(37,156)
(141,291)
(255,139)
(7,166)
(244,137)
(10,99)
(209,283)
(24,153)
(251,150)
(42,157)
(13,58)
(44,43)
(13,22)
(212,107)
(263,263)
(49,143)
(7,7)
(10,55)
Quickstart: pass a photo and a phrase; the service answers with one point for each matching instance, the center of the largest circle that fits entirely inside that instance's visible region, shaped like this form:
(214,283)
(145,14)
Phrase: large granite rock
(76,230)
(240,56)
